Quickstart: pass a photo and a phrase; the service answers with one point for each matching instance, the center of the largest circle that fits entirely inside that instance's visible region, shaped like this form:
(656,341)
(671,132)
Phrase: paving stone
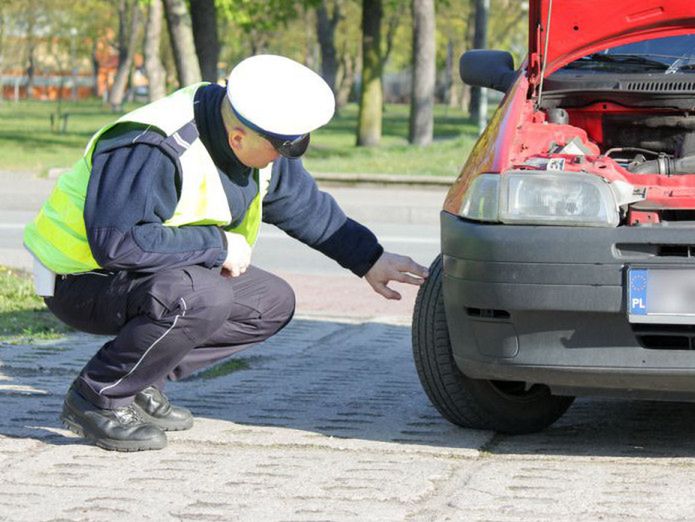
(329,423)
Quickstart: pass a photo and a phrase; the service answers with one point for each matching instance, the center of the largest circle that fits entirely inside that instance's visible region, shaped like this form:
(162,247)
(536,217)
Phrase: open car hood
(581,27)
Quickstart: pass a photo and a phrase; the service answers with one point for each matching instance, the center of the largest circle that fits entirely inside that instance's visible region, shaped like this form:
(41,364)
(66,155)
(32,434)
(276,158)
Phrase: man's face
(251,149)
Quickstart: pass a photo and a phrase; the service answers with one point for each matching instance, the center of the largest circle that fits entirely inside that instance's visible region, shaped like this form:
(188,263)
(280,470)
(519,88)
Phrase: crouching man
(148,238)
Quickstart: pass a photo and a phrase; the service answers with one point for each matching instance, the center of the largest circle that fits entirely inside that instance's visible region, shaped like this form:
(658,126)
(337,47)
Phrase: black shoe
(120,429)
(156,409)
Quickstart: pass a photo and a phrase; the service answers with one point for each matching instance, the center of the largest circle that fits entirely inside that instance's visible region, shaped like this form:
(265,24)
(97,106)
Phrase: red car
(568,240)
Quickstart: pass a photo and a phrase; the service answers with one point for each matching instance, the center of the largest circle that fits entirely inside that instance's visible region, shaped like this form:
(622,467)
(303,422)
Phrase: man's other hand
(392,267)
(238,255)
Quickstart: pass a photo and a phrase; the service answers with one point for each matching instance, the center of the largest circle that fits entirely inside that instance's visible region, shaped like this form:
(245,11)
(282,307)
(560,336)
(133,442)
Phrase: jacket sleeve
(132,191)
(295,204)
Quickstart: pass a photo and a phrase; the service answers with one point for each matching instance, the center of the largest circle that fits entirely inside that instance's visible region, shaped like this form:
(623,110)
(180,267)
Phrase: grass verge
(223,369)
(23,315)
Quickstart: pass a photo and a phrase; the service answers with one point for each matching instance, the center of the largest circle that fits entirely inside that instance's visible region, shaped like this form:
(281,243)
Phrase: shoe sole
(108,444)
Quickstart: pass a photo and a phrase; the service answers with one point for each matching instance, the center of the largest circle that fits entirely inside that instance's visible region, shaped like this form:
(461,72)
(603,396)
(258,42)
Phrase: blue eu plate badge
(638,291)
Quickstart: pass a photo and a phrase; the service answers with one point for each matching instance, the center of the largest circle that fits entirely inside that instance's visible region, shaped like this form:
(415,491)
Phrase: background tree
(156,75)
(371,95)
(260,20)
(182,44)
(207,44)
(454,26)
(422,97)
(478,103)
(130,22)
(325,29)
(26,19)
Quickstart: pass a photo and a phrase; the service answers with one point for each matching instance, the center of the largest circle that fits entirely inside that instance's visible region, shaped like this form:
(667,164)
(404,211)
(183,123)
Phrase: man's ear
(235,138)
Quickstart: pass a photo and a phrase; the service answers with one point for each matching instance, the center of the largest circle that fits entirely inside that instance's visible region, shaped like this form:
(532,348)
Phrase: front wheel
(502,406)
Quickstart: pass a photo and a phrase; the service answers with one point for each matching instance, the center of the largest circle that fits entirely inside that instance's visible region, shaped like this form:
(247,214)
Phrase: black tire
(502,406)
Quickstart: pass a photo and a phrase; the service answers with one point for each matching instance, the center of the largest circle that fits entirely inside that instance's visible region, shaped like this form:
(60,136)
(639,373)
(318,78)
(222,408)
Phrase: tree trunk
(95,69)
(2,54)
(325,29)
(207,43)
(311,46)
(422,98)
(393,22)
(453,93)
(478,103)
(156,76)
(126,52)
(371,96)
(31,50)
(345,79)
(182,44)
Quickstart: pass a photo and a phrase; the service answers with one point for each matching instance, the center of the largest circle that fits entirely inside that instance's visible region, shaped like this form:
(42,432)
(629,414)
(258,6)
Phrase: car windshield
(668,55)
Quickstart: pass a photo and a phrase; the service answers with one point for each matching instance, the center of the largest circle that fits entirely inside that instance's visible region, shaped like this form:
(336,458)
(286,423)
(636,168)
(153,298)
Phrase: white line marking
(11,226)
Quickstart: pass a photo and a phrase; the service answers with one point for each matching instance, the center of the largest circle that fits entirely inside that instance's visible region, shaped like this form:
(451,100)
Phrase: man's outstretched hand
(392,267)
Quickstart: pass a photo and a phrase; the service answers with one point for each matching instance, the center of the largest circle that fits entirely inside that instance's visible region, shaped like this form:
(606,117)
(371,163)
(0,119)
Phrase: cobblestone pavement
(329,423)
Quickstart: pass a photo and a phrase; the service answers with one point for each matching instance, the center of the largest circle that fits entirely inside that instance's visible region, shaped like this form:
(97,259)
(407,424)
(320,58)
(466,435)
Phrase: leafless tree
(371,95)
(182,44)
(422,96)
(156,75)
(130,22)
(478,103)
(207,43)
(325,29)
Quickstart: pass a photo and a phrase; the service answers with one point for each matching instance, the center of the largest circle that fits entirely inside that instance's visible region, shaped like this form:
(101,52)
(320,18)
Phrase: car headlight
(481,202)
(541,198)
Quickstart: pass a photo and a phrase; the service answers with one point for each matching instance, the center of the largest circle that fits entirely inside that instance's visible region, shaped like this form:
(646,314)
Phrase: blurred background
(66,67)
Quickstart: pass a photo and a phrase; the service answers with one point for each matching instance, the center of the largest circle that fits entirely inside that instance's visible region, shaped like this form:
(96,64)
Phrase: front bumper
(546,304)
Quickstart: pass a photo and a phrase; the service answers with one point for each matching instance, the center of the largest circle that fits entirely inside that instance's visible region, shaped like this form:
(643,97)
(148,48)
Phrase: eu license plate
(661,295)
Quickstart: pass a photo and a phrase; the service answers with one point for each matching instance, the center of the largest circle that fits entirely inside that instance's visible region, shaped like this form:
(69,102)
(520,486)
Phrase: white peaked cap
(279,95)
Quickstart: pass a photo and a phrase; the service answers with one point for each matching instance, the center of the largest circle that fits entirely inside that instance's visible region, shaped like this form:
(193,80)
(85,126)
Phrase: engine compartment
(642,141)
(650,148)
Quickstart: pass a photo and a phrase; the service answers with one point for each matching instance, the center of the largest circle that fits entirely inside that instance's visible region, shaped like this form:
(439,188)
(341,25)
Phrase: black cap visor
(289,148)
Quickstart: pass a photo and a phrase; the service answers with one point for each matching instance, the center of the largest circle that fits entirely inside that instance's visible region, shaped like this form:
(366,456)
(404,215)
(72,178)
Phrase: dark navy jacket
(134,188)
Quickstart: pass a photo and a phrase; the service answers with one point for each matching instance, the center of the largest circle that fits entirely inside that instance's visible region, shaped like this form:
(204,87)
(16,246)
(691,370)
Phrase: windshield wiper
(618,59)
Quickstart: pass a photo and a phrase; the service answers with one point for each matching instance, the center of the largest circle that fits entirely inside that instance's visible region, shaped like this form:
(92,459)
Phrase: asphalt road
(404,219)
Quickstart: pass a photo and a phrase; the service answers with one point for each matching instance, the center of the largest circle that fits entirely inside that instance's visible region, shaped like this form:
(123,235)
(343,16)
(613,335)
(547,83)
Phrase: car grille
(659,86)
(675,250)
(665,336)
(487,313)
(632,250)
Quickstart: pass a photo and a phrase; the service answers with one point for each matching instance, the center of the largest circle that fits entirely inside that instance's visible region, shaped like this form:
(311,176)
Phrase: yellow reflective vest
(57,236)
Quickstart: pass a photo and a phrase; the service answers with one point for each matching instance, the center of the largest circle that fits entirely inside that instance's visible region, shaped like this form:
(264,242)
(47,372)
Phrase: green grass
(333,147)
(23,316)
(28,144)
(222,369)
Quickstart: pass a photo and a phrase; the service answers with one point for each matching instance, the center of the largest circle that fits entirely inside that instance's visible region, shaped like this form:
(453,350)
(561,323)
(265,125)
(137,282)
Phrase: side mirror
(487,68)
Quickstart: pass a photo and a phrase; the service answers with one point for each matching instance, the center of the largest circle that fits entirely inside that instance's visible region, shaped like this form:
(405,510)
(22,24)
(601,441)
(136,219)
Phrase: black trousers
(167,324)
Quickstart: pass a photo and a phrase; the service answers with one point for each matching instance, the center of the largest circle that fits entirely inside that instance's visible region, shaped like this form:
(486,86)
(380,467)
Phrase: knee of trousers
(192,298)
(281,304)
